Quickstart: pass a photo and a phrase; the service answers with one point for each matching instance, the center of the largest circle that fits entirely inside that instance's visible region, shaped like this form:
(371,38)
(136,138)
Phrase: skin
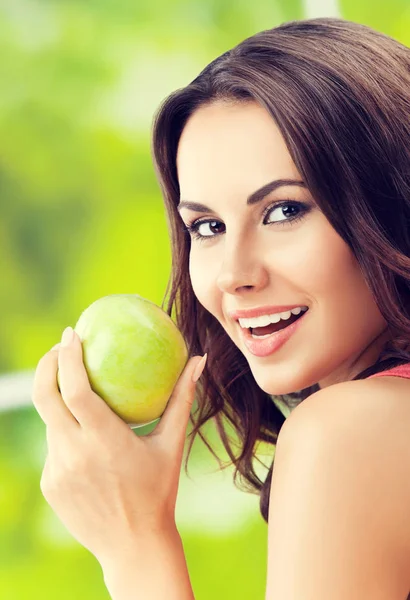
(226,152)
(101,480)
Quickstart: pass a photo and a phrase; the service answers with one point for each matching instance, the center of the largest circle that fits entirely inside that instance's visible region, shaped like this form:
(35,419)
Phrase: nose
(241,269)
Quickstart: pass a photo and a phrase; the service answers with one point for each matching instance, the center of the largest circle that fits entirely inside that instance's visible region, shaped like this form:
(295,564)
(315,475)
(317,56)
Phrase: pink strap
(401,371)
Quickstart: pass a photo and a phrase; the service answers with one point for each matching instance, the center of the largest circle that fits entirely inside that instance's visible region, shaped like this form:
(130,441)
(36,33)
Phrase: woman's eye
(283,210)
(210,227)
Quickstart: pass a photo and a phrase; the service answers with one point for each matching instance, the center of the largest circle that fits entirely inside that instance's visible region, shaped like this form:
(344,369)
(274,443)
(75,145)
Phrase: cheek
(327,265)
(337,285)
(201,274)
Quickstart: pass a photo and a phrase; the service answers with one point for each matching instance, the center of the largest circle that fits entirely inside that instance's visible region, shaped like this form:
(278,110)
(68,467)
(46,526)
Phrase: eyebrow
(254,198)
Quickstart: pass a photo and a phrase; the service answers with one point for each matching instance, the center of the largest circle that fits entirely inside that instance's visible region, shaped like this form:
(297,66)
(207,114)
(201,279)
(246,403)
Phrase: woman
(285,170)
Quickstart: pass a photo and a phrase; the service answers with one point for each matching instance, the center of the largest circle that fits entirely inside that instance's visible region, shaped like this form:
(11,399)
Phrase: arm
(150,568)
(338,514)
(114,491)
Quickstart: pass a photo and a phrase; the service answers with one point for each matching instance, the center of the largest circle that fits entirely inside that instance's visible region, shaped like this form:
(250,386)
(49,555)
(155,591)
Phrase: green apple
(133,354)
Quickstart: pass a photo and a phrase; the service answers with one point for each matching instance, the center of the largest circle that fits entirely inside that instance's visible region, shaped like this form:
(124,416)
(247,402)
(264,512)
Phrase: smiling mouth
(261,332)
(272,327)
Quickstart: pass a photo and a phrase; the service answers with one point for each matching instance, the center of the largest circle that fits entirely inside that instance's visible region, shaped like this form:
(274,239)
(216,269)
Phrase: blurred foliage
(82,217)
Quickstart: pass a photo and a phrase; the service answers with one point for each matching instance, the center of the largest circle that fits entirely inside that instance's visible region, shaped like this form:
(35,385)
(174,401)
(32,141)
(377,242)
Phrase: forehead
(231,142)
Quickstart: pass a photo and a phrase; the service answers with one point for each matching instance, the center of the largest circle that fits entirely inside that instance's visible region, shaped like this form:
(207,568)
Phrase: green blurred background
(82,217)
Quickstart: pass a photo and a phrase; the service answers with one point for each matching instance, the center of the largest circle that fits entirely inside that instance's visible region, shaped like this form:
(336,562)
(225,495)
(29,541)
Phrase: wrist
(152,566)
(133,547)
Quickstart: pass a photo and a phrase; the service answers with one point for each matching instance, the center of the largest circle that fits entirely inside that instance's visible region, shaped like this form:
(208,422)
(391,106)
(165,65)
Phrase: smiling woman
(285,170)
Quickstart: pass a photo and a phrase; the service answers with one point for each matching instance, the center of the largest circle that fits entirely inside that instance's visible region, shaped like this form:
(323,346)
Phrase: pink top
(400,371)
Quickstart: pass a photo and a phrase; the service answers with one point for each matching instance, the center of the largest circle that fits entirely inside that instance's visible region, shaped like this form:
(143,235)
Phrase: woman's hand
(105,484)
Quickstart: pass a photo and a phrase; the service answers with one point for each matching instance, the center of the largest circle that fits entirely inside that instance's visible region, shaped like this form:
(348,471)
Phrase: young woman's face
(291,255)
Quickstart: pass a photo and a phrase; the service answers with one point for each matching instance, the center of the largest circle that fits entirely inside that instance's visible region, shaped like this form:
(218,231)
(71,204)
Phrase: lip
(269,345)
(262,310)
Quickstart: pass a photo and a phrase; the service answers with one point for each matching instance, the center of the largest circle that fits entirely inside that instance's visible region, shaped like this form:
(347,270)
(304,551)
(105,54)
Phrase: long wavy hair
(340,94)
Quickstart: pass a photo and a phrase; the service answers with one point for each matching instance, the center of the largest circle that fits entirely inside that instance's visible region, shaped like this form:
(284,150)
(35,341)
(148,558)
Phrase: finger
(174,421)
(45,395)
(87,407)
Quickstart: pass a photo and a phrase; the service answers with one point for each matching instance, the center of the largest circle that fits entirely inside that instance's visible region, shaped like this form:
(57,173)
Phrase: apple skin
(133,354)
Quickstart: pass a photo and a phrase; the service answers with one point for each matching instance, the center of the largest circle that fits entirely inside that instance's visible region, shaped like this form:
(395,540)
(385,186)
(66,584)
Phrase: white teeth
(267,319)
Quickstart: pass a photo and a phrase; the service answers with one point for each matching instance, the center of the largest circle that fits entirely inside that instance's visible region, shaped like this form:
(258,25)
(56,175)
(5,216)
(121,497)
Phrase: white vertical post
(15,389)
(314,9)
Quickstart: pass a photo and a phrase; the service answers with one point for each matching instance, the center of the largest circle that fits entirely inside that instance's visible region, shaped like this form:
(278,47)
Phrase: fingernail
(199,368)
(56,346)
(67,337)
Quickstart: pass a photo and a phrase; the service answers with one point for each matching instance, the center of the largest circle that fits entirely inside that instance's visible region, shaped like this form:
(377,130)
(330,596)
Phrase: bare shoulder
(382,402)
(370,415)
(342,467)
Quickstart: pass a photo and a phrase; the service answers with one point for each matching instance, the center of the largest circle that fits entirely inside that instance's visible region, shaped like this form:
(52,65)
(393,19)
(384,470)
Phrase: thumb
(175,419)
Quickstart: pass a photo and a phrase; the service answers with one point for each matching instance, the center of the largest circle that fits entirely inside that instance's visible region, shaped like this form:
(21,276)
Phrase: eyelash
(192,227)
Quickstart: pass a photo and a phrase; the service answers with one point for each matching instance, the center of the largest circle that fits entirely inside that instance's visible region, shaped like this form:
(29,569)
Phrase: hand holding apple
(108,486)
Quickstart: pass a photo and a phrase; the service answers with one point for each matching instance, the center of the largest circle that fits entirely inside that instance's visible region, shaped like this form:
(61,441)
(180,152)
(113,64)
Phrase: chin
(280,387)
(275,389)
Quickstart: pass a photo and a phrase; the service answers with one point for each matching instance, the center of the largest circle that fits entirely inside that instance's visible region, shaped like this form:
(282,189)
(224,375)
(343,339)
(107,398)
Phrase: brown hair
(339,92)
